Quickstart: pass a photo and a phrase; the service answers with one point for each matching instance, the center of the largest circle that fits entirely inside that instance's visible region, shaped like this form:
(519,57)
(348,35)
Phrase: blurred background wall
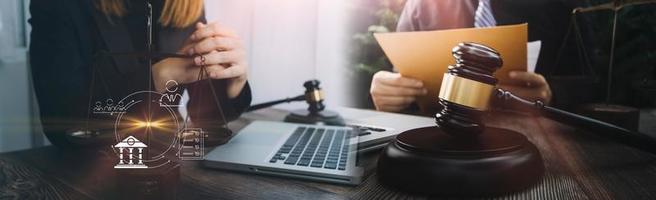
(19,129)
(289,42)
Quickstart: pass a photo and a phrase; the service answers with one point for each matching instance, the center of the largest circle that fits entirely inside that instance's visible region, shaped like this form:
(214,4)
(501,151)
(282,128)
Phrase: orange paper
(425,55)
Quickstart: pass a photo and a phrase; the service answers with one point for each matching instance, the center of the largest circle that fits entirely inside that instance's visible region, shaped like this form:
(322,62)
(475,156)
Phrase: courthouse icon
(130,153)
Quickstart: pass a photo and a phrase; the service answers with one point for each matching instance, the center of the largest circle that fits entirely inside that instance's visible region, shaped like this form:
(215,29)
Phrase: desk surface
(578,166)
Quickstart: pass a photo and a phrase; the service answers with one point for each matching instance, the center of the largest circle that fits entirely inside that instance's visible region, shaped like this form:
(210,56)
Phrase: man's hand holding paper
(425,56)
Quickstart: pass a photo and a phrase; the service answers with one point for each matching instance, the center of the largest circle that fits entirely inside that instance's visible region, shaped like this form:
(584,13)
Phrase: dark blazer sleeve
(210,113)
(57,67)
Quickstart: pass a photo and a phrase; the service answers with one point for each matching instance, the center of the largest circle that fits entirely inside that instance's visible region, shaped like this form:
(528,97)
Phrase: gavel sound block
(461,156)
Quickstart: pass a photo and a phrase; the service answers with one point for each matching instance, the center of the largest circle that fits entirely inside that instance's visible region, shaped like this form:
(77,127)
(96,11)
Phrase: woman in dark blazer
(67,36)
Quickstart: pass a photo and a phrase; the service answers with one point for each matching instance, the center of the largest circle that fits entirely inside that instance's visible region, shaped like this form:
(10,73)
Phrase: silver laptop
(320,153)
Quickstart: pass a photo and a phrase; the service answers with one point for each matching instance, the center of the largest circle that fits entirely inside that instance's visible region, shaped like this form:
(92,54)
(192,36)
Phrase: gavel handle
(276,102)
(634,139)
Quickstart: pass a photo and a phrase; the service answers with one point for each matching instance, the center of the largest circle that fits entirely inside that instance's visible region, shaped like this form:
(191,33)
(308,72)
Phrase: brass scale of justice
(91,136)
(94,134)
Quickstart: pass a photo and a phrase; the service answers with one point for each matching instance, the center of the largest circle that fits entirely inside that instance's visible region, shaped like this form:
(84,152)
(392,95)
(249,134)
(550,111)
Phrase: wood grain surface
(579,165)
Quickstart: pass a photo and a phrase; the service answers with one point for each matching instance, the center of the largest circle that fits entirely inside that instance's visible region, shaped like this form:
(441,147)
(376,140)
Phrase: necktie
(484,17)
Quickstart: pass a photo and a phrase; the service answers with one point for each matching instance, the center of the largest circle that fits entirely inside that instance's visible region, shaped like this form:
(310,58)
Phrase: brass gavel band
(314,96)
(466,92)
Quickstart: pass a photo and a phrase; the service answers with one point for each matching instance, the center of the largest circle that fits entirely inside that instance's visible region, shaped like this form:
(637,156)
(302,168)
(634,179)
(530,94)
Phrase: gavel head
(314,96)
(466,89)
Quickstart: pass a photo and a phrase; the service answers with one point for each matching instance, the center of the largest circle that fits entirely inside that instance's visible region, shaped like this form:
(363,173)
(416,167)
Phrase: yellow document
(425,55)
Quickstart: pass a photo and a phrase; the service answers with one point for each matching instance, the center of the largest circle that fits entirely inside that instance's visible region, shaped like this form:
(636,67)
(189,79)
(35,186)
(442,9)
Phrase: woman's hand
(181,70)
(224,57)
(392,92)
(224,54)
(532,86)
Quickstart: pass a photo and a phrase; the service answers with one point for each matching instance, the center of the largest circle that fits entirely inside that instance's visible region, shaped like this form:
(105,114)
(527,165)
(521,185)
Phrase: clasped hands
(213,46)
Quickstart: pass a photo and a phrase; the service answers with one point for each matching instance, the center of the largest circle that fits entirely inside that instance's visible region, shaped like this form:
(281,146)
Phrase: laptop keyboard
(315,147)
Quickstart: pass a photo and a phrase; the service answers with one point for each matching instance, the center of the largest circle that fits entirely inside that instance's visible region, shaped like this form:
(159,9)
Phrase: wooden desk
(578,165)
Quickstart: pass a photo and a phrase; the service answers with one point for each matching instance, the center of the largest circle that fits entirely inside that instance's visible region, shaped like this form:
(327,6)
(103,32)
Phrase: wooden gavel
(469,86)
